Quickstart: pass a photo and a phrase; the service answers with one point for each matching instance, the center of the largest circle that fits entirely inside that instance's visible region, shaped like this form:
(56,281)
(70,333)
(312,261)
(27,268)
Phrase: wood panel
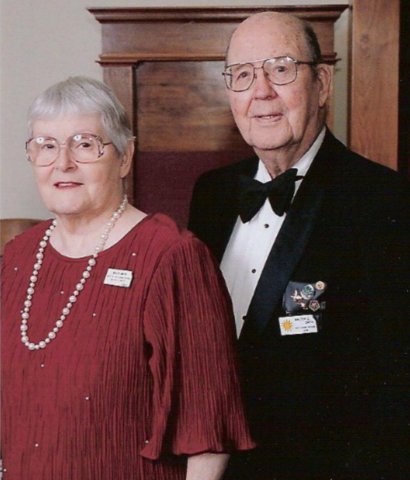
(375,80)
(165,65)
(173,100)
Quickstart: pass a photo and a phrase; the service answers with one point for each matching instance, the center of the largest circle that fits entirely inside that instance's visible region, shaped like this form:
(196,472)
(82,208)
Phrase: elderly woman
(117,332)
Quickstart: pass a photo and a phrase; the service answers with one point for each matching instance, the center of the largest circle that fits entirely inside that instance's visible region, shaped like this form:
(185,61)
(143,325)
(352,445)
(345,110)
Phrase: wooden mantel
(165,65)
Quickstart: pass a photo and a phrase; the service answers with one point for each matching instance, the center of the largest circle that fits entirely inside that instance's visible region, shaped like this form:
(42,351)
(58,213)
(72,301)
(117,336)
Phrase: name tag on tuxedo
(303,307)
(298,324)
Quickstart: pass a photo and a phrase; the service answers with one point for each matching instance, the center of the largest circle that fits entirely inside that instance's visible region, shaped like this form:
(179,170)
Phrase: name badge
(118,278)
(297,325)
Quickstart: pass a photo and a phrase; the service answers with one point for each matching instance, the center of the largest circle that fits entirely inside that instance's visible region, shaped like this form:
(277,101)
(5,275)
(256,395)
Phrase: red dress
(137,378)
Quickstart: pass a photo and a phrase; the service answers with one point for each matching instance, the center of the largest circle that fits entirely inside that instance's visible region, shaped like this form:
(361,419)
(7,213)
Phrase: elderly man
(313,244)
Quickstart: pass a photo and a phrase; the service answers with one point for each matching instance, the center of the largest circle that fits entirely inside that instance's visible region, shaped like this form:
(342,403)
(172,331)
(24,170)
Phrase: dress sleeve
(188,322)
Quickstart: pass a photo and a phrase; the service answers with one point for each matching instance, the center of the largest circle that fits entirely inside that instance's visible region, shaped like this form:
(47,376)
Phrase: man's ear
(126,159)
(324,77)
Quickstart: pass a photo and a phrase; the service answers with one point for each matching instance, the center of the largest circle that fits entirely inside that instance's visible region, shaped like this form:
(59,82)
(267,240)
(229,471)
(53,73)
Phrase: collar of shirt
(302,165)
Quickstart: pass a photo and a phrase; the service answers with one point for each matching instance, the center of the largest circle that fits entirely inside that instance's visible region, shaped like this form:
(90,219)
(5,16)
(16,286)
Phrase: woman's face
(80,189)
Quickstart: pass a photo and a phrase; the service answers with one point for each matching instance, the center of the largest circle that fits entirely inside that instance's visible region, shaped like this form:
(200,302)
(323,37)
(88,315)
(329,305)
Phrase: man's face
(283,118)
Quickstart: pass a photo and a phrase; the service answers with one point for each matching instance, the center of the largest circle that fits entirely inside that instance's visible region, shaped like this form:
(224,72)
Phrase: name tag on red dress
(118,278)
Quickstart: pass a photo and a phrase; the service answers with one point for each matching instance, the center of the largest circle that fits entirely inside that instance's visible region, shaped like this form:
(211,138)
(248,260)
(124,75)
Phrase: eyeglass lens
(279,71)
(84,148)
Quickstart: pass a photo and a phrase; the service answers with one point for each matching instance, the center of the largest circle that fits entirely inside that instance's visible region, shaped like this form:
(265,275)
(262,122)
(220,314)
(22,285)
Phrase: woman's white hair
(83,96)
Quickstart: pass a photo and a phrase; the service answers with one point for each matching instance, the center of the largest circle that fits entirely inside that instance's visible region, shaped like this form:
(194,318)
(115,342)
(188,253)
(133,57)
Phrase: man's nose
(263,88)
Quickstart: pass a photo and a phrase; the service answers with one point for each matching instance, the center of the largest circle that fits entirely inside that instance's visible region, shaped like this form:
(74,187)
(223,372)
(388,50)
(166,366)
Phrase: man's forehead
(265,37)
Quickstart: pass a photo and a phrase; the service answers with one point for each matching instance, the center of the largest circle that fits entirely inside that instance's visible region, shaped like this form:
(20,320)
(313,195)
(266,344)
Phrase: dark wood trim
(211,14)
(132,58)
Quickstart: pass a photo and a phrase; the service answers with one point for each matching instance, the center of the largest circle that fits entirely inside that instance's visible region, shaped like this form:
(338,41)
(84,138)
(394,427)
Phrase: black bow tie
(252,194)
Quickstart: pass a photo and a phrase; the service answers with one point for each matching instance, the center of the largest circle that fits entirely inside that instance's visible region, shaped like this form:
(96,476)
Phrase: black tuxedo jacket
(334,402)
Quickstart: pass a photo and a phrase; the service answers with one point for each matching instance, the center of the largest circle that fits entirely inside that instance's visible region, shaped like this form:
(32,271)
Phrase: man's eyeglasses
(278,70)
(84,148)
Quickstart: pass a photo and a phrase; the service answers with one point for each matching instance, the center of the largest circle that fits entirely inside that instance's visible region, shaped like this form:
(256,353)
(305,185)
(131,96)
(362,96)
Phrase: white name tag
(118,278)
(297,325)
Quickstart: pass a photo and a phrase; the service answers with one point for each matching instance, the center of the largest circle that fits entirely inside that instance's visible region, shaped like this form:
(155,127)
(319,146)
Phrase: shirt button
(253,270)
(266,225)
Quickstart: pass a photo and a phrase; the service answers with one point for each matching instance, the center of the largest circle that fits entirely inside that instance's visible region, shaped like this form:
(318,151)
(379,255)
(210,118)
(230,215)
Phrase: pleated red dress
(138,378)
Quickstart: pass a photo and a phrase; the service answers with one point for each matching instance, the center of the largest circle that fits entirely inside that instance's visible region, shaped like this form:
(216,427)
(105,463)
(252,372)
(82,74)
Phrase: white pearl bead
(80,286)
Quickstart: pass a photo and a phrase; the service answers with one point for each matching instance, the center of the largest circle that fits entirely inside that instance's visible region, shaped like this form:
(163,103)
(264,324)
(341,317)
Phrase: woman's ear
(324,77)
(126,159)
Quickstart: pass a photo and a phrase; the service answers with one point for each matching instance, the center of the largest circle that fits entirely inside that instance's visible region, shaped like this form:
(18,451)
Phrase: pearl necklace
(78,288)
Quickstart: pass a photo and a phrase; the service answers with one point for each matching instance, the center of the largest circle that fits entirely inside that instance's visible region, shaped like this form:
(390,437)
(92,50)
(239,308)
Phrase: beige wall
(44,41)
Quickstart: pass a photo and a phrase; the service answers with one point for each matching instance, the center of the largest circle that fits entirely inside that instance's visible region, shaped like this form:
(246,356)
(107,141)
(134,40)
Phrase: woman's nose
(64,160)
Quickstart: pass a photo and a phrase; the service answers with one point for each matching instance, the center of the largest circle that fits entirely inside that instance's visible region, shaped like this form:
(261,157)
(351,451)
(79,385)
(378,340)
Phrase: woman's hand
(207,466)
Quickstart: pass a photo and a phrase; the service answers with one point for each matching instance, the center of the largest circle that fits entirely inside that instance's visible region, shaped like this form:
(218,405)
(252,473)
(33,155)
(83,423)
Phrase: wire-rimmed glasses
(84,148)
(278,70)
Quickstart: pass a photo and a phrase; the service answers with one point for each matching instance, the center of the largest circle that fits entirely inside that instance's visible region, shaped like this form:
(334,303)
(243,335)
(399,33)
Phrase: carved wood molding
(211,14)
(126,30)
(133,58)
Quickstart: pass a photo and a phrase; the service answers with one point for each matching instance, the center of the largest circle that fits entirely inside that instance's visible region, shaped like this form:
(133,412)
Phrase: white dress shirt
(250,243)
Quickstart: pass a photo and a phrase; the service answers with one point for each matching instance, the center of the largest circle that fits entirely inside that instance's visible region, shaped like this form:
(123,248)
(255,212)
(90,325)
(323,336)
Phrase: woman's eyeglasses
(84,148)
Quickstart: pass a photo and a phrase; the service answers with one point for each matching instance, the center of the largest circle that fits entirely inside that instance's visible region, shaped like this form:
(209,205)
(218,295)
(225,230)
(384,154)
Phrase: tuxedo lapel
(288,247)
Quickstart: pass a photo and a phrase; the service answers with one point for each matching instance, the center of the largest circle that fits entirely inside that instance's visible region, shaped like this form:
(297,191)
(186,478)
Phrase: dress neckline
(107,251)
